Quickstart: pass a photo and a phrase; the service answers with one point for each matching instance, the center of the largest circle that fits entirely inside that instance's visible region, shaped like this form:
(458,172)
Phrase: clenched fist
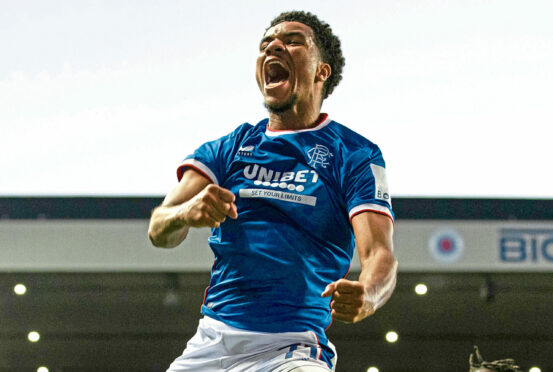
(210,207)
(350,302)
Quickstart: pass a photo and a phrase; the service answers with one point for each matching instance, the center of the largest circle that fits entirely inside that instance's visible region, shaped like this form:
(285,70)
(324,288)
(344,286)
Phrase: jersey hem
(325,353)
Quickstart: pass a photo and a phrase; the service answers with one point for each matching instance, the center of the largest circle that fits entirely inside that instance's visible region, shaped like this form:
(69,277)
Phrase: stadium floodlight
(33,336)
(421,289)
(392,337)
(20,289)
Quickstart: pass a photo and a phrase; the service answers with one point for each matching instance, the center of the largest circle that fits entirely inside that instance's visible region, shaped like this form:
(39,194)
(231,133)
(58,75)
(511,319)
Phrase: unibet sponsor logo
(279,195)
(284,180)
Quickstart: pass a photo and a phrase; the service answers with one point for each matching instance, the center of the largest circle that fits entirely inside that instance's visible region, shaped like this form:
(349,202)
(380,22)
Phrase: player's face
(287,65)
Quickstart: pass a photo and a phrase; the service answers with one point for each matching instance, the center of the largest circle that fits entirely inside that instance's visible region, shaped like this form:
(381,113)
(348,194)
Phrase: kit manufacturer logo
(246,150)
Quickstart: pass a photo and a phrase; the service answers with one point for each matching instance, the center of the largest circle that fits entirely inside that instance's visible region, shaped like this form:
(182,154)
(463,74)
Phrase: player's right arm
(195,202)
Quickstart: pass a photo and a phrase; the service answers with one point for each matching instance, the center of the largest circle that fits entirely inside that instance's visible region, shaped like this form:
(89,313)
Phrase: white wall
(106,98)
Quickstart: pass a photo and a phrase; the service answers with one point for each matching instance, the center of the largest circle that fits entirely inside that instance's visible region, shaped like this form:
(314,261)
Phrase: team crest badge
(319,155)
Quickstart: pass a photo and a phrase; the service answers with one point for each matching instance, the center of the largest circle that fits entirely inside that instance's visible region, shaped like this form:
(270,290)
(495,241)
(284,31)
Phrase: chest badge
(319,155)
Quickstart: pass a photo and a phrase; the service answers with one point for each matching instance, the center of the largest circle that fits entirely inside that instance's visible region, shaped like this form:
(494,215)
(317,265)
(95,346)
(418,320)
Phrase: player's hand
(350,301)
(210,207)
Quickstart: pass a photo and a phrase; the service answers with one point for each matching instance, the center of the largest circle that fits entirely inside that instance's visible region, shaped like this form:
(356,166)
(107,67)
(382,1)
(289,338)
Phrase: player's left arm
(353,301)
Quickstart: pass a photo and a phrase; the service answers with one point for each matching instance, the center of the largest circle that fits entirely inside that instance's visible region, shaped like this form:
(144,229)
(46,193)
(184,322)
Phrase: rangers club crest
(319,155)
(446,245)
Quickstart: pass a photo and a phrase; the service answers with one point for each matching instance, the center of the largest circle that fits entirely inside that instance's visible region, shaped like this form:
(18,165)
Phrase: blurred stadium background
(102,299)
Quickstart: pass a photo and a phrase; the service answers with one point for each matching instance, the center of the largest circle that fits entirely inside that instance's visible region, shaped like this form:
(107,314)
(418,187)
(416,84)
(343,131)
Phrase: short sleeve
(211,158)
(366,186)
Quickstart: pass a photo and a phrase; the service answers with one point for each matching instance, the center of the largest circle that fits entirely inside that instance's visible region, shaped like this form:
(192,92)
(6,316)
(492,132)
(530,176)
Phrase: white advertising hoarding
(122,245)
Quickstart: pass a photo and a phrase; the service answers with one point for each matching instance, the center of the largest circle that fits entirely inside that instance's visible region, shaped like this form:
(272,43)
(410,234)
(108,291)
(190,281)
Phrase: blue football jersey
(296,191)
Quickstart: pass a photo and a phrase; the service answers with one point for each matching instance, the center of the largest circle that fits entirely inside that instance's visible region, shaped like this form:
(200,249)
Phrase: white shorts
(217,347)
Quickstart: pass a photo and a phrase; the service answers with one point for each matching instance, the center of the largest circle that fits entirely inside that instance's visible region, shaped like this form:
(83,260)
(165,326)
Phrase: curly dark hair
(326,41)
(503,365)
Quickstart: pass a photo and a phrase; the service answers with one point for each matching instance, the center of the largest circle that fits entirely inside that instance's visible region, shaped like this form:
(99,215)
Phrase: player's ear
(323,72)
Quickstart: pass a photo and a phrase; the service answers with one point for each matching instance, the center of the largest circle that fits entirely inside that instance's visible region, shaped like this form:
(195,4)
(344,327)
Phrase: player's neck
(294,119)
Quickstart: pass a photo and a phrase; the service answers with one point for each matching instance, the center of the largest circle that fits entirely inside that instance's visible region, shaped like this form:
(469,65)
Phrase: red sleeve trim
(374,211)
(182,168)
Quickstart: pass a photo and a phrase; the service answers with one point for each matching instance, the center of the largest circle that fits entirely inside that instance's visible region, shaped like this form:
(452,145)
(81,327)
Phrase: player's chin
(279,105)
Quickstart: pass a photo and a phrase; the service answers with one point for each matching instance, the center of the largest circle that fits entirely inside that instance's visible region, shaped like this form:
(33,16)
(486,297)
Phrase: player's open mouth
(275,74)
